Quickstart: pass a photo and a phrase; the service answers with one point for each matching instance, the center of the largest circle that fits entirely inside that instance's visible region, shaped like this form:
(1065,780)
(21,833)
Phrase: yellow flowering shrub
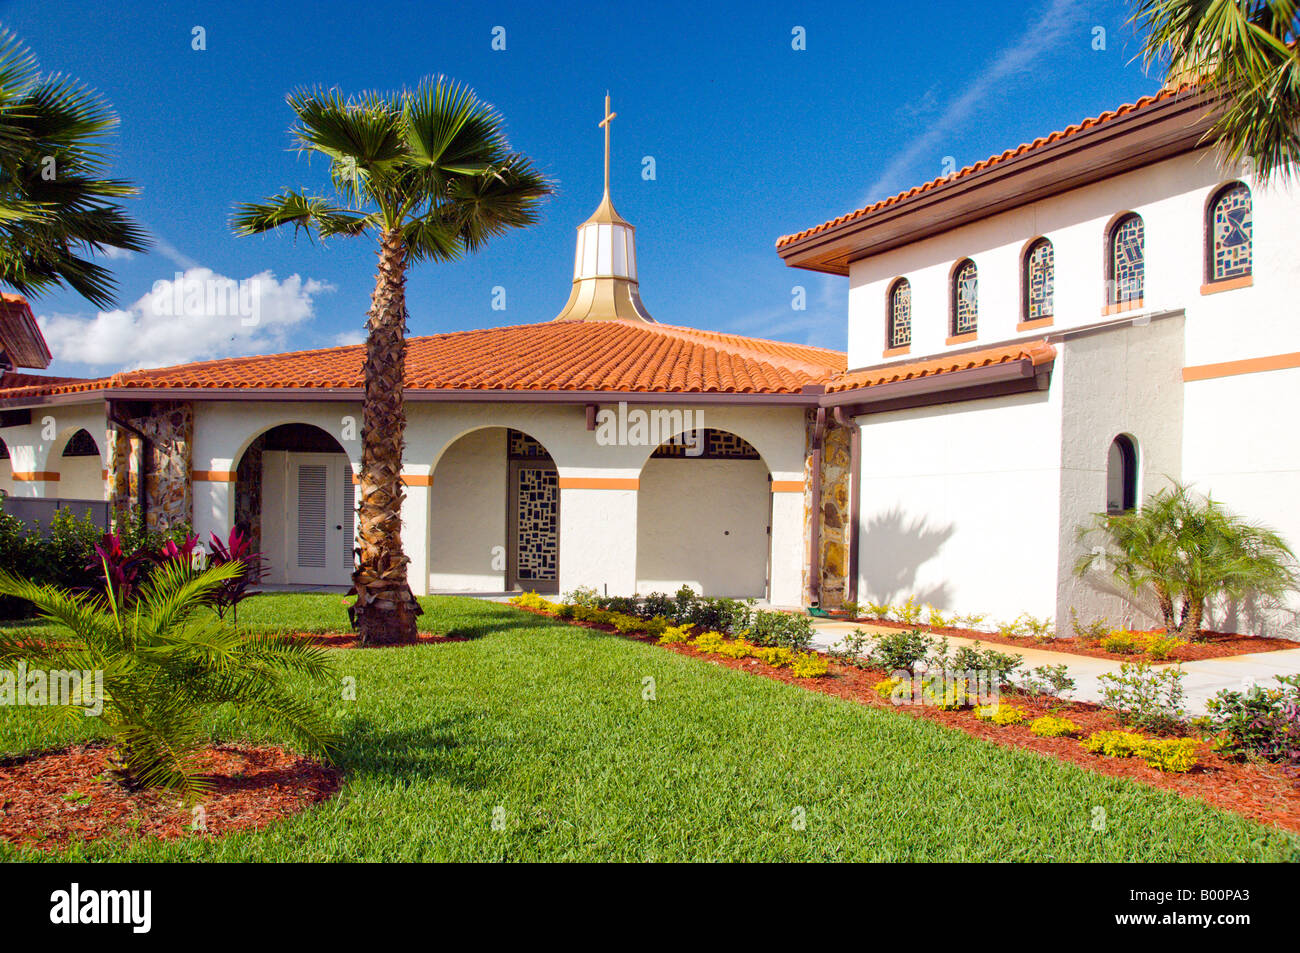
(1049,726)
(885,689)
(1002,714)
(1169,754)
(1114,744)
(675,634)
(708,641)
(810,665)
(951,696)
(625,623)
(656,626)
(531,600)
(774,655)
(737,649)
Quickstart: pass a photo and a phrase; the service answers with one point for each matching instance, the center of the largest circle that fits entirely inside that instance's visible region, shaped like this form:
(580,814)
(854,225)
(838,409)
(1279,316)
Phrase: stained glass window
(1040,276)
(1127,260)
(965,298)
(900,314)
(1230,236)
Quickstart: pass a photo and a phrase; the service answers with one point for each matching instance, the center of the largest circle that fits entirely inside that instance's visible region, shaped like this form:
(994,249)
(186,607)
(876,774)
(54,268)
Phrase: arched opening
(704,509)
(1121,476)
(6,470)
(296,500)
(494,515)
(81,468)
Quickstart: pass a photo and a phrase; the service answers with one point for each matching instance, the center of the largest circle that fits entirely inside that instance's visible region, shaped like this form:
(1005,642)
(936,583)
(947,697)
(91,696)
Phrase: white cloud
(347,338)
(197,315)
(1057,20)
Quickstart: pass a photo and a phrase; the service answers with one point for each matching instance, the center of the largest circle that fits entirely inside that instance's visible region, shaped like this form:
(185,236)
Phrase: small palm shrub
(1186,549)
(165,664)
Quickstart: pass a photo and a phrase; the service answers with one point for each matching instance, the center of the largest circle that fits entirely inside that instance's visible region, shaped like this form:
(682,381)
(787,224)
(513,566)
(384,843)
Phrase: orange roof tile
(597,356)
(1039,143)
(1038,352)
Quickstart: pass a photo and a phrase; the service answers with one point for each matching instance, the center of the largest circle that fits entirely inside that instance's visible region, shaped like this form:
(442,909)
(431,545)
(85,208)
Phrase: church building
(1053,332)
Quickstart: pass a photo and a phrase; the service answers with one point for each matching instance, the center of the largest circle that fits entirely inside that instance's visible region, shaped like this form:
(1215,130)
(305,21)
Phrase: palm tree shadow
(433,752)
(894,547)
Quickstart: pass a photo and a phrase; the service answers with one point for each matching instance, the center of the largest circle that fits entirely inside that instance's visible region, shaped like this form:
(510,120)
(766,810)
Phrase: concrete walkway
(1202,680)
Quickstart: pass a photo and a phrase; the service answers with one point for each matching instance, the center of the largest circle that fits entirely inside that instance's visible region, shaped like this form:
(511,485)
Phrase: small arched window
(1126,260)
(1040,279)
(1121,476)
(899,318)
(1229,239)
(965,298)
(81,444)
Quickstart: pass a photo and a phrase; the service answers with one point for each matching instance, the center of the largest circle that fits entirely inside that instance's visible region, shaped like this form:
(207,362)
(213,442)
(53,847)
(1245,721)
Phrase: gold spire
(604,269)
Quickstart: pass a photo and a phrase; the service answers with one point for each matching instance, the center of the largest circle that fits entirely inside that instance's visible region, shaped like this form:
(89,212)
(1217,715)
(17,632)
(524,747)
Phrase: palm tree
(1244,51)
(55,203)
(428,172)
(1187,549)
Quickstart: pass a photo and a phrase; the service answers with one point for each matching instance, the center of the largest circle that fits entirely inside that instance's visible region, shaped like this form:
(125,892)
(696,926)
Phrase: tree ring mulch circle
(350,640)
(52,799)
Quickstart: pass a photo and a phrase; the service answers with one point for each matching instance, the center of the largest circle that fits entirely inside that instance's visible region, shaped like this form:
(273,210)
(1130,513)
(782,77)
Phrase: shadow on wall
(894,546)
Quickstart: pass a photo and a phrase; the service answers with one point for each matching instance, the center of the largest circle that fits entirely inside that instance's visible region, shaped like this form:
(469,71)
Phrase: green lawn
(544,725)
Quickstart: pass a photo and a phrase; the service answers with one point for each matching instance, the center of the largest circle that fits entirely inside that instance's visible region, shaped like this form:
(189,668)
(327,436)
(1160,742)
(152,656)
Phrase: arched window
(1040,277)
(1121,476)
(965,298)
(1229,238)
(899,318)
(81,444)
(1126,261)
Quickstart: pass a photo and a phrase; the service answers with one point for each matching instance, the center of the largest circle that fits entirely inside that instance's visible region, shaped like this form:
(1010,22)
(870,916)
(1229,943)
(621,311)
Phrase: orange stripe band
(787,486)
(1277,362)
(36,476)
(213,476)
(599,483)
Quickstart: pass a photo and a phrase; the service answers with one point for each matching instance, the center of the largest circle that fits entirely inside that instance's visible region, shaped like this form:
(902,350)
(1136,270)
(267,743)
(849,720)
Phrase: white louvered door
(320,529)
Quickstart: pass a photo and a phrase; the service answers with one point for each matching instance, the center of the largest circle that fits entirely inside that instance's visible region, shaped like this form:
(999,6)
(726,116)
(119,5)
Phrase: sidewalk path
(1203,680)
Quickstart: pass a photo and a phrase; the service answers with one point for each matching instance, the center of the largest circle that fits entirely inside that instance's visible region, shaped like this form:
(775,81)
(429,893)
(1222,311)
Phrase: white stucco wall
(703,523)
(467,506)
(960,505)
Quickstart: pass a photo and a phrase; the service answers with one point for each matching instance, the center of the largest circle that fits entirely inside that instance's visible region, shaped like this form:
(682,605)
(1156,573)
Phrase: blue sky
(751,139)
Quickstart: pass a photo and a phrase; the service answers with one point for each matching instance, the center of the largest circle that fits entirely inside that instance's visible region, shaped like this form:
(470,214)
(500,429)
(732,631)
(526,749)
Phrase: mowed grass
(534,741)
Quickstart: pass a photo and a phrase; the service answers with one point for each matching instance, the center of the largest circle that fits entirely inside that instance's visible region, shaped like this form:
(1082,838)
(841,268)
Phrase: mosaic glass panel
(537,525)
(1231,220)
(1128,260)
(718,445)
(1040,276)
(524,447)
(900,315)
(965,299)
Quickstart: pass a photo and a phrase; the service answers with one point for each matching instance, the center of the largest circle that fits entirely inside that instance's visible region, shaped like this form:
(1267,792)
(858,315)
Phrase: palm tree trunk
(385,608)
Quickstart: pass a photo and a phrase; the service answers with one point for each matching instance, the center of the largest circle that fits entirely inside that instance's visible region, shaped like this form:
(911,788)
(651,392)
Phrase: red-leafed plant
(236,547)
(121,571)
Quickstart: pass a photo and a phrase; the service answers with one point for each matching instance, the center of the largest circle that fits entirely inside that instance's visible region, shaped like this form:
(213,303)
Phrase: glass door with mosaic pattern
(534,527)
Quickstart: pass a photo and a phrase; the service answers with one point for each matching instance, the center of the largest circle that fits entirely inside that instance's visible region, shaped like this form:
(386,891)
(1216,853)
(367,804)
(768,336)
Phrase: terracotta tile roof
(1039,143)
(1038,352)
(597,356)
(20,336)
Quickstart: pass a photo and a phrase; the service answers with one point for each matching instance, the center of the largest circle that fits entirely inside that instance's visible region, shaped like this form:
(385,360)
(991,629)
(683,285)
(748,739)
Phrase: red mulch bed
(1262,792)
(1212,644)
(350,640)
(49,800)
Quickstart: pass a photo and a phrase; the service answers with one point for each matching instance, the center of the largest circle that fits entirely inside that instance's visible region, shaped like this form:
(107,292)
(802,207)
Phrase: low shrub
(1050,726)
(658,604)
(737,648)
(1122,642)
(774,655)
(1089,632)
(675,634)
(708,641)
(1002,714)
(998,665)
(768,627)
(620,605)
(935,619)
(900,650)
(886,688)
(531,600)
(1114,744)
(656,626)
(909,613)
(852,610)
(1260,723)
(626,624)
(684,605)
(809,665)
(879,610)
(1143,696)
(1052,680)
(1177,755)
(730,616)
(947,694)
(583,596)
(853,649)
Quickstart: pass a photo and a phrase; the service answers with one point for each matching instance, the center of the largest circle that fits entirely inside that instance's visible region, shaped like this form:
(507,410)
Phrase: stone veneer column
(169,427)
(834,516)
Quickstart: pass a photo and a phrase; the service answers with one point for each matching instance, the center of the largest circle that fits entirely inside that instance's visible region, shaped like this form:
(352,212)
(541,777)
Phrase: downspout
(855,494)
(814,589)
(142,489)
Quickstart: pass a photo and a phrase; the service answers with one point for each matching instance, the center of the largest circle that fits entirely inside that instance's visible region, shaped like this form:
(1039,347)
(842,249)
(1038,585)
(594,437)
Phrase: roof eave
(1159,131)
